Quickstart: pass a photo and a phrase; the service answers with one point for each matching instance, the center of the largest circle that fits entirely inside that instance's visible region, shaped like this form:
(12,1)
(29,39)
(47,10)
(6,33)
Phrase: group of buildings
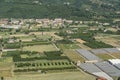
(17,23)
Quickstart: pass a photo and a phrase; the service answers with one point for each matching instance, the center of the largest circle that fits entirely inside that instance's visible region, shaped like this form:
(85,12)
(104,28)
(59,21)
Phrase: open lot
(55,76)
(40,48)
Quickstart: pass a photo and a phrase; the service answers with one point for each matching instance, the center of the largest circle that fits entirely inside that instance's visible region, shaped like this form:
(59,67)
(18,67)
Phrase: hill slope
(70,9)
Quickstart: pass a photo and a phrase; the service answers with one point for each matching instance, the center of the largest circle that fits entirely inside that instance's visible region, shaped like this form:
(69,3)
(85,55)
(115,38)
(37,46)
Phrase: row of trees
(43,70)
(38,64)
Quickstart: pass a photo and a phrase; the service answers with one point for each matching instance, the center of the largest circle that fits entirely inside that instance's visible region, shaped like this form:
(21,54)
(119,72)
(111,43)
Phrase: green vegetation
(95,44)
(51,60)
(31,43)
(43,65)
(11,45)
(87,36)
(70,9)
(64,41)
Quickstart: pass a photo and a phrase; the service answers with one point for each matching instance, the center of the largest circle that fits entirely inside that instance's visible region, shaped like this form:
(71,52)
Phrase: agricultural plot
(40,48)
(6,59)
(80,41)
(113,40)
(43,65)
(31,43)
(104,56)
(54,76)
(88,55)
(12,46)
(19,35)
(80,26)
(6,73)
(74,56)
(106,53)
(46,35)
(26,38)
(117,55)
(3,34)
(68,46)
(5,69)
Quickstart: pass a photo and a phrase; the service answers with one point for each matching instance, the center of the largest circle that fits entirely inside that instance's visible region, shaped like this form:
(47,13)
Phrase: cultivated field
(74,56)
(6,73)
(80,41)
(5,69)
(117,55)
(68,46)
(104,56)
(113,40)
(55,76)
(40,48)
(45,65)
(84,46)
(47,35)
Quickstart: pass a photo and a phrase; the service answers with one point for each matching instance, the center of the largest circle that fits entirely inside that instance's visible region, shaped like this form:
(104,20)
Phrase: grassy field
(74,56)
(40,48)
(68,46)
(55,76)
(104,56)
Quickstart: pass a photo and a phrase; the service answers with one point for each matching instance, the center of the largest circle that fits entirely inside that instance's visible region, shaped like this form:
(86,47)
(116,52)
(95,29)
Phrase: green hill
(70,9)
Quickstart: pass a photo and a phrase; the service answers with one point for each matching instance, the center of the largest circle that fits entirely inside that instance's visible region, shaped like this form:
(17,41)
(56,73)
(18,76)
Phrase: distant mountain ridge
(70,9)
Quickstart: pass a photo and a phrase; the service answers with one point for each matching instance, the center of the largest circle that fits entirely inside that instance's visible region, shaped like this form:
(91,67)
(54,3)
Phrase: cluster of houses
(17,23)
